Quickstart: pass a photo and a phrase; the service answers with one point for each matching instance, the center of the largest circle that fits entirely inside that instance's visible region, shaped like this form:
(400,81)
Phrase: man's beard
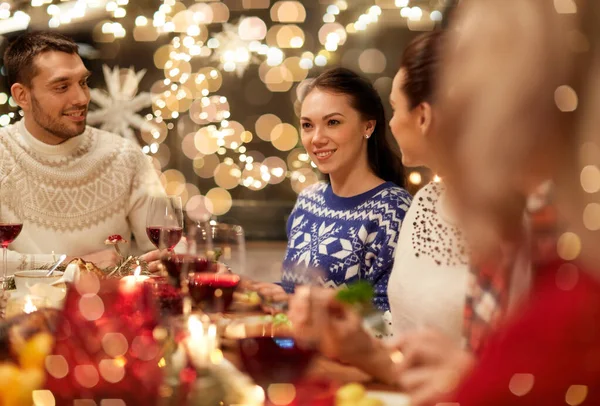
(54,125)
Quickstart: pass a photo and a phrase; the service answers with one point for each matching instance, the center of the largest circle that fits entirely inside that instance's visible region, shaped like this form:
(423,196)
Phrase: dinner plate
(390,398)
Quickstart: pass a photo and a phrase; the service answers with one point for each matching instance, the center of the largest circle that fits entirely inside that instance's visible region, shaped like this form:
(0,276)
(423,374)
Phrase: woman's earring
(367,136)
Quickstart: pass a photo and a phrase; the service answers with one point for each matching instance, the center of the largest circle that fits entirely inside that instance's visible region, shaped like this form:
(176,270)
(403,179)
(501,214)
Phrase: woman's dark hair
(420,62)
(382,156)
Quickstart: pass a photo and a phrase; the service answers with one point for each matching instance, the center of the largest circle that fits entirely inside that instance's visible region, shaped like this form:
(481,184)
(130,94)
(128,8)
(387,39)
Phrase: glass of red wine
(11,224)
(272,360)
(223,247)
(164,221)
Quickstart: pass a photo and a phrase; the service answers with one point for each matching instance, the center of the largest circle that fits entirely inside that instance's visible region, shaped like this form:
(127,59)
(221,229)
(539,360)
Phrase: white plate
(390,398)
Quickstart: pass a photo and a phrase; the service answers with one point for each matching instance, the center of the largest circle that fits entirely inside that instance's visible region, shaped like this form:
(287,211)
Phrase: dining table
(323,368)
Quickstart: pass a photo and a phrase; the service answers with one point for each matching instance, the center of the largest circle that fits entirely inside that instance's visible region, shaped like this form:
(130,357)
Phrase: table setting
(191,333)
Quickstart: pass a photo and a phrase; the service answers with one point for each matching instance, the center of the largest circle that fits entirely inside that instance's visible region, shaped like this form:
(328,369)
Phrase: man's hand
(152,258)
(102,259)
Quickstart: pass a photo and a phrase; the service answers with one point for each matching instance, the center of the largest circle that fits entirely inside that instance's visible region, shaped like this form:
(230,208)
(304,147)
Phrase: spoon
(60,261)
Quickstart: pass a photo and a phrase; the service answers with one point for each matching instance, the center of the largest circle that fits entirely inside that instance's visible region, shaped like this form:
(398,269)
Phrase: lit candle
(29,307)
(196,344)
(201,342)
(130,282)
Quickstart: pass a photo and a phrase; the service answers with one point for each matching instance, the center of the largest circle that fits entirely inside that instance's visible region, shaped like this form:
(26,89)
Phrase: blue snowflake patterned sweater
(346,238)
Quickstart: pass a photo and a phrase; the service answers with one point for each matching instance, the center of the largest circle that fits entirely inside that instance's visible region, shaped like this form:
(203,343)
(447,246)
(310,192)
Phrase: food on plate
(87,267)
(249,298)
(355,394)
(259,326)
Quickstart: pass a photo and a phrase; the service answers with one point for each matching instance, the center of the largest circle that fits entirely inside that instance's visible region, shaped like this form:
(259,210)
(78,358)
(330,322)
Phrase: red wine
(213,292)
(8,233)
(164,237)
(174,264)
(274,359)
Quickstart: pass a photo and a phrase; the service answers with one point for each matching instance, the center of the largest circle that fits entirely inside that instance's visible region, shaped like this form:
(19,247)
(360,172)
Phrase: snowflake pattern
(344,243)
(119,105)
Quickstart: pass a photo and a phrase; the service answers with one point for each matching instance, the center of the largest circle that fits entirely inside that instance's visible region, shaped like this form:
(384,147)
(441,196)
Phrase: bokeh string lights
(208,44)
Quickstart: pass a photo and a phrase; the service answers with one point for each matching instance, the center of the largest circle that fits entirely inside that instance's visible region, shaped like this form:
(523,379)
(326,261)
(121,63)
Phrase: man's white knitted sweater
(73,195)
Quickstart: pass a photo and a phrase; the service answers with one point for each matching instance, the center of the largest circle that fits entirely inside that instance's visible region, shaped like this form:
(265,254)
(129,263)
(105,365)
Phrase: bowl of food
(24,280)
(258,326)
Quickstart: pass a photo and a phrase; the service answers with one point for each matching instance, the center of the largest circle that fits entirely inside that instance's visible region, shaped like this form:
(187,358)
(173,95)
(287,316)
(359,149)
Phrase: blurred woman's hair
(518,82)
(382,154)
(420,62)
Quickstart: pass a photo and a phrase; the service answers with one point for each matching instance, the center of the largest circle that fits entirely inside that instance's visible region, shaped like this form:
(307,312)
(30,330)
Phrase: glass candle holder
(106,345)
(18,304)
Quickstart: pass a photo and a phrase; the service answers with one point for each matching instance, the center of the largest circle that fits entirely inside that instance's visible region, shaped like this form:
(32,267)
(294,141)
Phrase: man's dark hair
(20,55)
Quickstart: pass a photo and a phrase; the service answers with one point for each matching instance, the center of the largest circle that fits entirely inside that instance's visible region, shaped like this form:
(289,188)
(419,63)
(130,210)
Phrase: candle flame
(137,272)
(29,306)
(195,327)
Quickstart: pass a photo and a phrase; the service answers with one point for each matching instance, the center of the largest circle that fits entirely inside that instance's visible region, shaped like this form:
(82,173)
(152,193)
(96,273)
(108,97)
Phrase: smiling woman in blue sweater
(346,227)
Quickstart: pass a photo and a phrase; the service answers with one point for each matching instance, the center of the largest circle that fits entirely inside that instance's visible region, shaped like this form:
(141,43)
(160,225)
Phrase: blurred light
(565,98)
(415,13)
(120,13)
(591,217)
(521,384)
(281,393)
(568,246)
(328,18)
(565,6)
(306,63)
(435,15)
(372,61)
(375,10)
(320,60)
(401,3)
(86,375)
(221,201)
(415,178)
(576,395)
(590,179)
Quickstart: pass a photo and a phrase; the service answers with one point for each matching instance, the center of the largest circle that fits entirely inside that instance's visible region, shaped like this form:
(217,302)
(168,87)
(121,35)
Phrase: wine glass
(11,223)
(164,221)
(223,246)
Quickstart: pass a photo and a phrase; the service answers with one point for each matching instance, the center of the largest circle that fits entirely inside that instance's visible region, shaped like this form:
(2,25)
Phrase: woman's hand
(432,367)
(273,297)
(336,330)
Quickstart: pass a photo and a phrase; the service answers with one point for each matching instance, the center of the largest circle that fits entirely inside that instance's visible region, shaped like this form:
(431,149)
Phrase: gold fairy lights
(218,148)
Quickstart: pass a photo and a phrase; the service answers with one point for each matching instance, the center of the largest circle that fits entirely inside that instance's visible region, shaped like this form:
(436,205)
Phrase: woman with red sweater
(513,120)
(532,108)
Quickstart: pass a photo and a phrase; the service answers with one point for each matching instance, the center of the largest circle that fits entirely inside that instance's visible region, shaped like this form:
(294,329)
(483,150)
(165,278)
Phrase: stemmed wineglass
(223,245)
(164,221)
(11,224)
